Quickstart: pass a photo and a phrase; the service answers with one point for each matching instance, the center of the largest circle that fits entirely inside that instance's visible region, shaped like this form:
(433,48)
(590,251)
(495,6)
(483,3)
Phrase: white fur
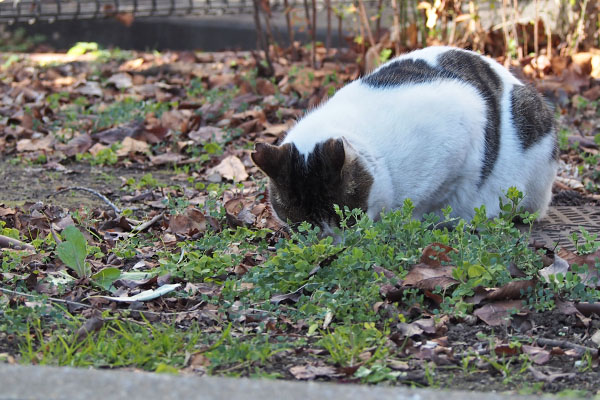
(426,142)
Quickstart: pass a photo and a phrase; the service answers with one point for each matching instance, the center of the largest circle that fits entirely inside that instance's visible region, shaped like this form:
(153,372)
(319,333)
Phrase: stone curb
(51,383)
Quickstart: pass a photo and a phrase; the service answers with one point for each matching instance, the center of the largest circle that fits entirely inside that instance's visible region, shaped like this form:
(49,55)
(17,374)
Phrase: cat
(441,126)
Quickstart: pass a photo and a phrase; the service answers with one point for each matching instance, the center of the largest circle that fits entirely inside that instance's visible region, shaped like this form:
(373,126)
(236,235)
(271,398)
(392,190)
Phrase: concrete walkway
(51,383)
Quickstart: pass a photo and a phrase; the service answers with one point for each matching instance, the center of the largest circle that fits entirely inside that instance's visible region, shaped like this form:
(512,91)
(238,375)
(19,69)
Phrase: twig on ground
(558,343)
(116,209)
(147,224)
(480,352)
(15,244)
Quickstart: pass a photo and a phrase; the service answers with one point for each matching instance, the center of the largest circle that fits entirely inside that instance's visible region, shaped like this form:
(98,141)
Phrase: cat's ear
(339,152)
(269,158)
(349,152)
(335,155)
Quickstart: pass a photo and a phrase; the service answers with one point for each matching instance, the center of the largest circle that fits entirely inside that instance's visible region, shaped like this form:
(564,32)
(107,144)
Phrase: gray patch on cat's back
(452,65)
(474,70)
(404,72)
(532,118)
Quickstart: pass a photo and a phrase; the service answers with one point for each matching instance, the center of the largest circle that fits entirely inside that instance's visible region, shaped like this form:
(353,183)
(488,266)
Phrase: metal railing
(12,11)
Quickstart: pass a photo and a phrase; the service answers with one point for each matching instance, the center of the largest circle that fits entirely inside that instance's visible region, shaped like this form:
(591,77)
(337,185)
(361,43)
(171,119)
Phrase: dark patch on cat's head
(532,117)
(305,189)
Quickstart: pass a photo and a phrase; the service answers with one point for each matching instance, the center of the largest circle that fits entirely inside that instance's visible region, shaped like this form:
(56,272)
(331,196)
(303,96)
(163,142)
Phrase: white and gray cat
(441,126)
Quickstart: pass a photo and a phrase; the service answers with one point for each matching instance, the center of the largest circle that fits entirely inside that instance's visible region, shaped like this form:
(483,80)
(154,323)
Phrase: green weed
(232,354)
(348,342)
(73,251)
(117,344)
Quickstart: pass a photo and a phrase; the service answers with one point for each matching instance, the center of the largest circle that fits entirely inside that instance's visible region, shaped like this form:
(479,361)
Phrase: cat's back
(437,63)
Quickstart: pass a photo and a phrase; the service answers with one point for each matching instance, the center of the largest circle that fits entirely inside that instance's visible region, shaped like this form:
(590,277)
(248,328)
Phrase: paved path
(51,383)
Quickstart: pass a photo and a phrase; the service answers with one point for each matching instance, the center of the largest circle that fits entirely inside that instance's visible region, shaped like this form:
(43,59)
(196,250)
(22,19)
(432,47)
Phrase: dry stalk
(378,23)
(505,31)
(549,44)
(536,29)
(328,39)
(365,22)
(340,37)
(515,21)
(310,28)
(267,16)
(261,39)
(579,30)
(314,34)
(396,27)
(288,22)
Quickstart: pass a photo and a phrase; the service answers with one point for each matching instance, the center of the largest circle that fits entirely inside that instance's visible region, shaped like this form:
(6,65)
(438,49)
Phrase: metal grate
(562,221)
(12,11)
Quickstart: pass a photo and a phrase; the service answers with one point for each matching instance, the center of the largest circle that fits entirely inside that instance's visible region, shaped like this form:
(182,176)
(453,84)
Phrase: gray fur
(454,65)
(474,70)
(406,72)
(532,118)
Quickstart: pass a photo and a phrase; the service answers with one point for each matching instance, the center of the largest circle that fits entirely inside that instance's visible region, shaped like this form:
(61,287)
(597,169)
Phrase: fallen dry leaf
(198,360)
(537,354)
(91,325)
(122,80)
(512,290)
(35,144)
(188,224)
(307,372)
(596,337)
(540,376)
(118,133)
(506,349)
(90,88)
(426,277)
(436,253)
(97,148)
(231,168)
(167,158)
(498,313)
(129,145)
(207,134)
(78,144)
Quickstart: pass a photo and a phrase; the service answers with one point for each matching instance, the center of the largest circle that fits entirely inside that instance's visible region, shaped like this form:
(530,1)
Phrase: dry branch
(147,224)
(116,209)
(10,243)
(365,21)
(261,39)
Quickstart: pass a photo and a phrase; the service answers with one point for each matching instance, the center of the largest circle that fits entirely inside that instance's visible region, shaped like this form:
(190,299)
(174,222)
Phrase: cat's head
(306,188)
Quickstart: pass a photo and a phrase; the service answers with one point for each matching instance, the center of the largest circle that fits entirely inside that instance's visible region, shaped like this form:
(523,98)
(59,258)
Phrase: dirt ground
(32,183)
